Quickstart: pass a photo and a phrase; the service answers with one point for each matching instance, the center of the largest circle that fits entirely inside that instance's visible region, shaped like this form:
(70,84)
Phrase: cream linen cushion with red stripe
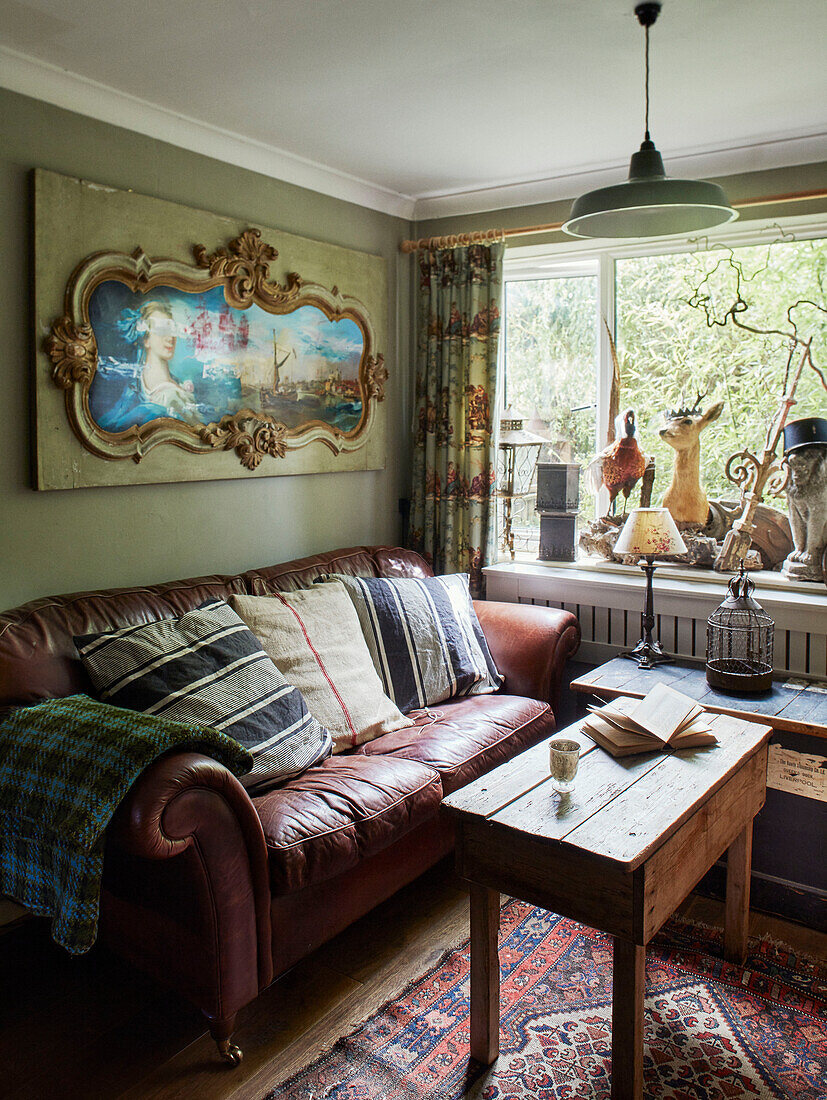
(314,639)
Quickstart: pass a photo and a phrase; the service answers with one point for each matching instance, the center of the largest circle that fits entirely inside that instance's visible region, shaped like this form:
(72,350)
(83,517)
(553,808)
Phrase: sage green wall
(60,541)
(63,541)
(739,188)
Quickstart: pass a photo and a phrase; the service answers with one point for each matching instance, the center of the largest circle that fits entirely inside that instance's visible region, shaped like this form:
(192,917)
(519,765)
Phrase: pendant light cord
(647,14)
(646,136)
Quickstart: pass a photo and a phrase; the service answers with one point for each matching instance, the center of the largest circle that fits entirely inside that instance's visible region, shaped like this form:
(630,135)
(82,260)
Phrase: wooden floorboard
(93,1029)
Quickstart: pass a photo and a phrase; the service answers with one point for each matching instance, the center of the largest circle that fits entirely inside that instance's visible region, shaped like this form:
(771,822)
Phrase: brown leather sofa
(215,893)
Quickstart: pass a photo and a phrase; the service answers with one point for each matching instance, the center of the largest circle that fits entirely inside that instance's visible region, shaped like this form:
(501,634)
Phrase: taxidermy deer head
(685,498)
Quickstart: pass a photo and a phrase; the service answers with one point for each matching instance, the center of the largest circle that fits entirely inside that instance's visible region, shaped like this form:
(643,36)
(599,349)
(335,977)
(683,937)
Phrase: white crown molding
(770,151)
(41,80)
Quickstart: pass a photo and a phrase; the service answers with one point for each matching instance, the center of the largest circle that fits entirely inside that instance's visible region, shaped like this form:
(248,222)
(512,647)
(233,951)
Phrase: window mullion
(605,308)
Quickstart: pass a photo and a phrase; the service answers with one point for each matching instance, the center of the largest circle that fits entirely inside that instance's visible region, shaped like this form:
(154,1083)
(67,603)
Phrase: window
(556,356)
(551,376)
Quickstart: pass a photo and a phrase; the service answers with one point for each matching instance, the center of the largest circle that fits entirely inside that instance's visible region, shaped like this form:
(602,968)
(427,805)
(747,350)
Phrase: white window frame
(572,258)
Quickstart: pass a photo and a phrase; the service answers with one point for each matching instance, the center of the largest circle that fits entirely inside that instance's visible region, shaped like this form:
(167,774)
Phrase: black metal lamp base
(648,654)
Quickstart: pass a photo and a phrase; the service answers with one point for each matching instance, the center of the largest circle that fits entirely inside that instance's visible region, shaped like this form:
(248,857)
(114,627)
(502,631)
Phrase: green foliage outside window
(551,362)
(669,353)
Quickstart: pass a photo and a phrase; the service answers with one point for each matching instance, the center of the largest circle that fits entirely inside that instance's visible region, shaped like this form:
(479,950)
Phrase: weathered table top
(795,708)
(621,809)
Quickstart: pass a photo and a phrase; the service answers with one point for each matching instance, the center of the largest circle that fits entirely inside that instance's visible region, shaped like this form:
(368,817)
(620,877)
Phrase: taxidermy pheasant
(621,465)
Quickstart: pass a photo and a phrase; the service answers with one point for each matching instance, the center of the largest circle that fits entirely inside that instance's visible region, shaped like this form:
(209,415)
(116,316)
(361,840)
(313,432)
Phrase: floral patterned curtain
(458,325)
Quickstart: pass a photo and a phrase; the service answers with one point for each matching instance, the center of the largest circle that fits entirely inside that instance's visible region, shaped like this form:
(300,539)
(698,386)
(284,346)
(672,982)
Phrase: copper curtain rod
(487,236)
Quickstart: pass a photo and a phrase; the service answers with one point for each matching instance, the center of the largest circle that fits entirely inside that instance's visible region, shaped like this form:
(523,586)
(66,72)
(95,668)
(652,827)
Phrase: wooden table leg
(628,987)
(485,974)
(738,869)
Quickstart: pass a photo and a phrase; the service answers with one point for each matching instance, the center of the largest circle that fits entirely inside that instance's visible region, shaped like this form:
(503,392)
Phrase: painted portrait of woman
(145,367)
(148,390)
(158,337)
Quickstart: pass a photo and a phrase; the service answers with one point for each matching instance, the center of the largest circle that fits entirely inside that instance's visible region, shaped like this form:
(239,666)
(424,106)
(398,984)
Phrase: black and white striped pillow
(208,667)
(424,637)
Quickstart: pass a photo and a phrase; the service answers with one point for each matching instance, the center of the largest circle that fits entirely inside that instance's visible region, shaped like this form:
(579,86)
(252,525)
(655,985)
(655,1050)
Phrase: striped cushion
(207,667)
(424,637)
(314,638)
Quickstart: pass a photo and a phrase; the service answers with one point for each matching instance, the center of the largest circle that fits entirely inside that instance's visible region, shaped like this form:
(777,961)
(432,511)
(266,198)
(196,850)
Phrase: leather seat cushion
(341,811)
(470,736)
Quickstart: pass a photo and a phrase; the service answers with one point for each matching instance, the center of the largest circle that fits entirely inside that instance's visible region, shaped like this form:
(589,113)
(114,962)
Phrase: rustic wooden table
(620,853)
(793,707)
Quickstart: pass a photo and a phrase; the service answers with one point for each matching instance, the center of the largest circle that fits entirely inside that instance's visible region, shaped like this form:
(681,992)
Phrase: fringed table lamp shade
(739,637)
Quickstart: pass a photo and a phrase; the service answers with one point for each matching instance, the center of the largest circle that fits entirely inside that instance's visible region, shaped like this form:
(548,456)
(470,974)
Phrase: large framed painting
(216,358)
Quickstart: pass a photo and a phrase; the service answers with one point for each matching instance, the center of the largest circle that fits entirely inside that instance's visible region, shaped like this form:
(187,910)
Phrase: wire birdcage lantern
(739,637)
(517,474)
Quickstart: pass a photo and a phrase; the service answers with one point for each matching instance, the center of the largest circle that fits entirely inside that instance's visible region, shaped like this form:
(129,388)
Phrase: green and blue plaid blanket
(65,765)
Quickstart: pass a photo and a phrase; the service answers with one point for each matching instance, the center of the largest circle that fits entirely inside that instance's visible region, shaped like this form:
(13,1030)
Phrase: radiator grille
(609,629)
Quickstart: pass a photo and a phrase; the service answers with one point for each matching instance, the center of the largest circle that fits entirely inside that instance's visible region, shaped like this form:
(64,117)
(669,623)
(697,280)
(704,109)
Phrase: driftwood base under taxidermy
(771,540)
(771,536)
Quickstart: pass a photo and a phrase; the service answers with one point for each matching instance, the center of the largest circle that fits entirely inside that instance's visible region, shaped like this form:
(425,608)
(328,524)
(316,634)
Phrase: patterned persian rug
(714,1031)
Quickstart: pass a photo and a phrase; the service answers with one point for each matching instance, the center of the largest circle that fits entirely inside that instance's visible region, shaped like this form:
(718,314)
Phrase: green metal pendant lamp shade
(649,203)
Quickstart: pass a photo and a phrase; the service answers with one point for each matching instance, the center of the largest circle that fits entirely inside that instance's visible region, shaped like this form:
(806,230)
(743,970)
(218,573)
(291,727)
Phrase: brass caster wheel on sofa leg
(231,1054)
(221,1029)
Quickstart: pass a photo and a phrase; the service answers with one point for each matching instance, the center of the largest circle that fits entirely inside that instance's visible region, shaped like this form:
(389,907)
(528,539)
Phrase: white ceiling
(436,106)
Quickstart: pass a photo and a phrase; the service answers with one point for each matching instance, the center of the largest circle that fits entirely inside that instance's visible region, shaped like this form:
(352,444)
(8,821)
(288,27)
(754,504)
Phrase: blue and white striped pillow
(209,668)
(424,637)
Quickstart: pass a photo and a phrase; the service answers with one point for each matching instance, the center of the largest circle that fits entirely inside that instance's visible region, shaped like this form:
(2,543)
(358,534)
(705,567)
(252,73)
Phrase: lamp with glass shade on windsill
(649,532)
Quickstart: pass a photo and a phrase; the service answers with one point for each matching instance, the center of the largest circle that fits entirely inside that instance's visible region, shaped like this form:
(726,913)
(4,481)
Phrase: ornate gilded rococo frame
(242,268)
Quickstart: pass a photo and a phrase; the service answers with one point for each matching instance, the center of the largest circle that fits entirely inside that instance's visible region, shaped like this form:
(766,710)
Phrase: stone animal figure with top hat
(805,455)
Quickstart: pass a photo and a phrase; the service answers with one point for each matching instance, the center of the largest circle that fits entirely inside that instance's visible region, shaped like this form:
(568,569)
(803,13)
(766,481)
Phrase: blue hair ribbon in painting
(131,325)
(192,357)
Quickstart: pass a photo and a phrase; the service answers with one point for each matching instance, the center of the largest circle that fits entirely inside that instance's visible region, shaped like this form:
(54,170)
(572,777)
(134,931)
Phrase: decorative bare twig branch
(701,298)
(754,475)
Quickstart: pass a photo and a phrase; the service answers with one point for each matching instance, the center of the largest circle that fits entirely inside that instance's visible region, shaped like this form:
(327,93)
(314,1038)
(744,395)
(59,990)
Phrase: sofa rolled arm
(530,646)
(187,835)
(153,821)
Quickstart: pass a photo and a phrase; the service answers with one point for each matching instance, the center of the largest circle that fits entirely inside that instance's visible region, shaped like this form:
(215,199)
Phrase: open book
(663,719)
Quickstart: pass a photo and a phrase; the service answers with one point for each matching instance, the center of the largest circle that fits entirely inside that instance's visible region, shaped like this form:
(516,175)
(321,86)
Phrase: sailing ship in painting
(192,357)
(316,397)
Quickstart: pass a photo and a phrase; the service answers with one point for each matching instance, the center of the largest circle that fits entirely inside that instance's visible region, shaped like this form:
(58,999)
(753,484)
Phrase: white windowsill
(598,569)
(679,590)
